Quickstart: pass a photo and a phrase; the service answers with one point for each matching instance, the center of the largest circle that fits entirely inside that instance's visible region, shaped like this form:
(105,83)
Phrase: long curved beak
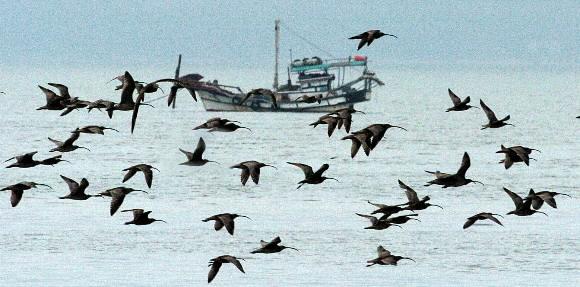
(414,219)
(536,150)
(271,166)
(479,182)
(246,128)
(401,128)
(141,190)
(145,104)
(497,215)
(111,80)
(564,194)
(360,112)
(246,217)
(112,129)
(409,259)
(161,220)
(155,169)
(398,226)
(159,87)
(293,248)
(84,148)
(542,213)
(42,184)
(437,205)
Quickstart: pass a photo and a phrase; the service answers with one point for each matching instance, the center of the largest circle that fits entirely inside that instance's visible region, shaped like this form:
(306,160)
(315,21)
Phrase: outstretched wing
(321,170)
(465,164)
(411,194)
(73,137)
(305,168)
(198,152)
(72,185)
(382,252)
(488,112)
(189,155)
(455,99)
(518,201)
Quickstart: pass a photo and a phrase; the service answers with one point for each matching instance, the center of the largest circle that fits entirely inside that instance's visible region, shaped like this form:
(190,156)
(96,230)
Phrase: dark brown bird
(214,122)
(19,188)
(459,105)
(117,195)
(516,154)
(377,224)
(225,219)
(141,97)
(216,264)
(345,116)
(93,130)
(53,101)
(453,180)
(141,217)
(24,161)
(311,177)
(76,190)
(385,258)
(102,104)
(368,37)
(538,198)
(194,159)
(185,82)
(358,139)
(523,208)
(127,90)
(227,128)
(493,121)
(68,145)
(330,121)
(414,202)
(378,132)
(74,104)
(386,210)
(53,160)
(62,90)
(262,92)
(272,246)
(145,168)
(250,168)
(401,219)
(481,216)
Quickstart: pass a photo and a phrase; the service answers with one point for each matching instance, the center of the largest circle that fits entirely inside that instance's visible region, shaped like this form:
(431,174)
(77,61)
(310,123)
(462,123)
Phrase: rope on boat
(306,40)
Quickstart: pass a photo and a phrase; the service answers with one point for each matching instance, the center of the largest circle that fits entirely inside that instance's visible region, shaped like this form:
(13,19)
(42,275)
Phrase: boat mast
(277,49)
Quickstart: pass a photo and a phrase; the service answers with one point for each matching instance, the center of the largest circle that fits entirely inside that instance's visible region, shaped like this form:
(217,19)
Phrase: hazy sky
(231,34)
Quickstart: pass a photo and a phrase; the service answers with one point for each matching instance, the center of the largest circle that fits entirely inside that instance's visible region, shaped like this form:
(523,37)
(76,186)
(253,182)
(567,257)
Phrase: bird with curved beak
(195,158)
(24,160)
(311,177)
(225,219)
(523,208)
(482,216)
(368,37)
(227,128)
(214,122)
(251,168)
(68,145)
(272,246)
(53,160)
(345,116)
(459,105)
(538,198)
(493,122)
(216,264)
(146,169)
(453,180)
(141,217)
(19,188)
(385,258)
(516,154)
(93,130)
(76,190)
(414,202)
(117,195)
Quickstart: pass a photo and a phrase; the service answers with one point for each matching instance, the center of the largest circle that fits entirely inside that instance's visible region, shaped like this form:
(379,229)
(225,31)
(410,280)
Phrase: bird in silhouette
(214,122)
(263,92)
(102,104)
(74,104)
(345,116)
(459,105)
(24,161)
(216,264)
(401,219)
(378,132)
(140,217)
(516,154)
(386,210)
(414,202)
(368,37)
(538,198)
(68,145)
(93,130)
(127,89)
(141,97)
(272,246)
(53,160)
(76,190)
(328,120)
(523,208)
(358,139)
(53,101)
(493,121)
(19,188)
(311,177)
(194,159)
(250,168)
(117,195)
(228,127)
(146,169)
(481,216)
(385,258)
(184,82)
(224,219)
(309,99)
(453,180)
(377,224)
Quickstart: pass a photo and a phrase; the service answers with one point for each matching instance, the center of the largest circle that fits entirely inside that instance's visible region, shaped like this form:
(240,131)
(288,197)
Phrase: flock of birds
(368,138)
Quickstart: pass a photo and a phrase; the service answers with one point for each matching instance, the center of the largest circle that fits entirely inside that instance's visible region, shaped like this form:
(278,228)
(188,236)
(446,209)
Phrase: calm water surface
(50,242)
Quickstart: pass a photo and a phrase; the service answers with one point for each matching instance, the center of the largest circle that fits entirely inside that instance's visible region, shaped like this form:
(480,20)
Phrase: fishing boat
(324,79)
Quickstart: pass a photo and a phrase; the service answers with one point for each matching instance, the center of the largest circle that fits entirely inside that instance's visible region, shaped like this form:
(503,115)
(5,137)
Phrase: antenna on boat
(277,51)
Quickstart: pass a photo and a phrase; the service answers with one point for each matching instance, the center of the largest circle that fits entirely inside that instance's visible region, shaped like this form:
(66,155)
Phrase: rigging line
(306,40)
(156,99)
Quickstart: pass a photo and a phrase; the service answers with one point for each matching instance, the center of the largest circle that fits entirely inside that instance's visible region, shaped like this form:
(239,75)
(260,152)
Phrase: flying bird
(213,123)
(493,121)
(76,190)
(330,121)
(453,180)
(378,132)
(523,208)
(224,219)
(141,97)
(385,258)
(117,195)
(311,177)
(516,154)
(264,92)
(481,216)
(93,130)
(146,169)
(272,246)
(538,198)
(68,145)
(459,105)
(216,264)
(18,189)
(414,202)
(369,36)
(185,82)
(195,158)
(376,223)
(140,217)
(250,168)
